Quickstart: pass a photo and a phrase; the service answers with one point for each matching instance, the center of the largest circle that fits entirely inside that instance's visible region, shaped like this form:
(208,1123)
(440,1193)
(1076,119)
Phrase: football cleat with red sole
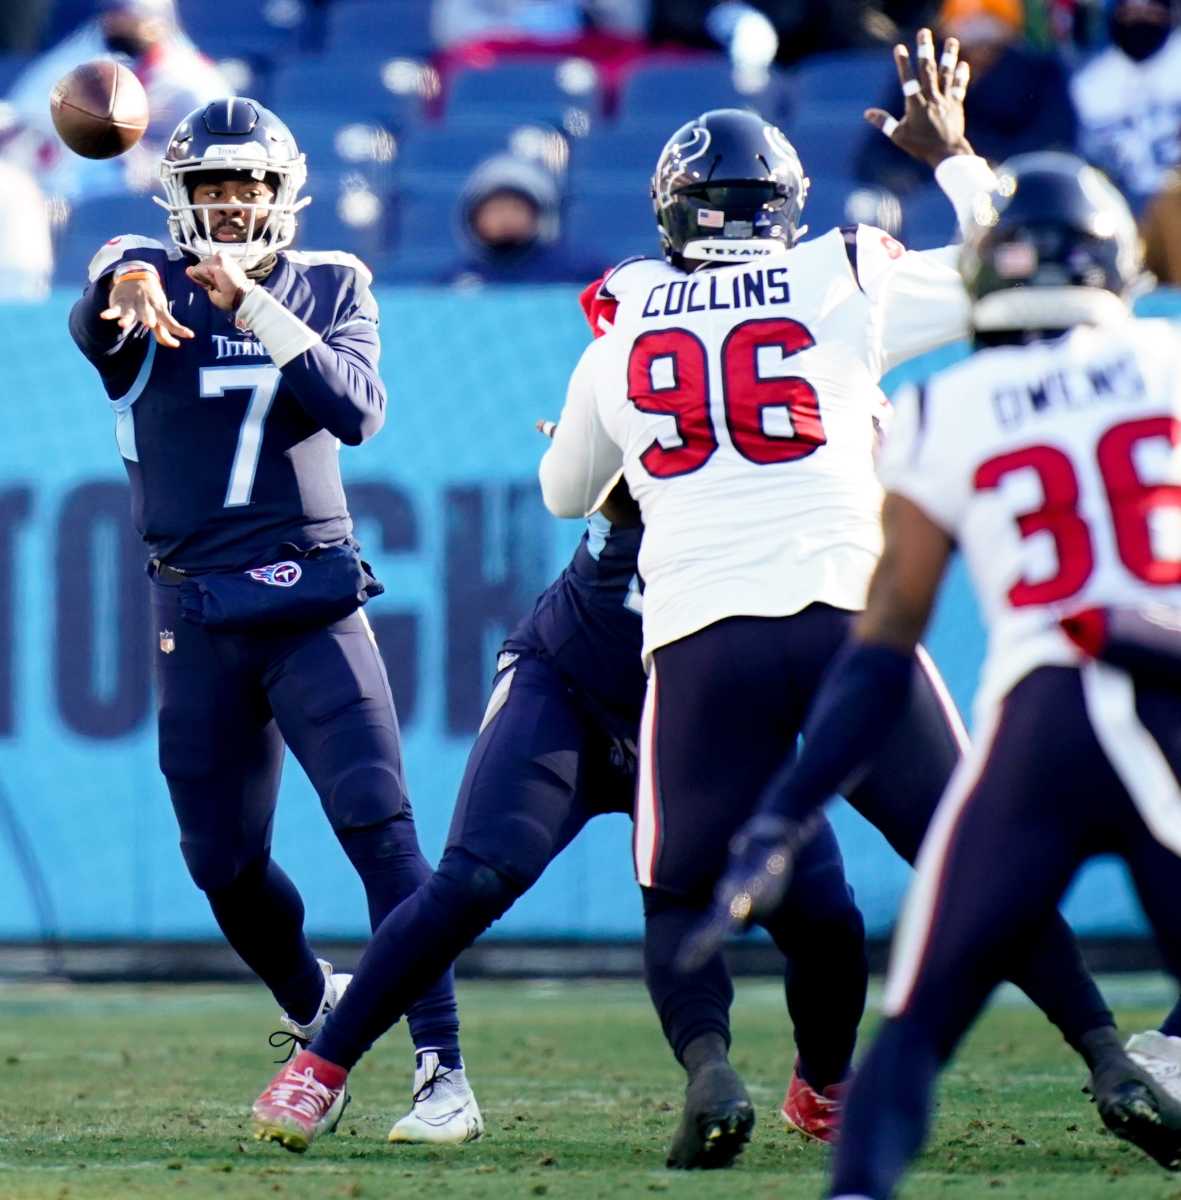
(815,1114)
(305,1099)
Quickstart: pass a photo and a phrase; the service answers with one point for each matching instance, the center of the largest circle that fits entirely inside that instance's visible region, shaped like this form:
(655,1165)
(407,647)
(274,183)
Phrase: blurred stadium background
(91,879)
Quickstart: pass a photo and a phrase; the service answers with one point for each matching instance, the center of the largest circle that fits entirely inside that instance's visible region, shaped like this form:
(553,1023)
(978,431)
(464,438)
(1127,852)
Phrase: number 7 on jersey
(262,383)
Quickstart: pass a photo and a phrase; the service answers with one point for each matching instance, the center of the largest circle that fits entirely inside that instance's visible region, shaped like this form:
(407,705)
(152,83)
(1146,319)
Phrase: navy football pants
(540,769)
(724,706)
(227,704)
(1042,790)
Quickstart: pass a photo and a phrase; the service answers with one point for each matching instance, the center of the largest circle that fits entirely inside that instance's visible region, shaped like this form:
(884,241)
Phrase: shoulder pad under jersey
(118,247)
(332,258)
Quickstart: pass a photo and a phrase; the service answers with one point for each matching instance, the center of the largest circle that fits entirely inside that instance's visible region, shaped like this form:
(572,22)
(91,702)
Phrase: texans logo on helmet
(281,574)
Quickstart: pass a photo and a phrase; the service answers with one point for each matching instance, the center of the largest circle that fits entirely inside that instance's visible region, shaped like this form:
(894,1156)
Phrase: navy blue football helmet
(728,187)
(1056,247)
(234,136)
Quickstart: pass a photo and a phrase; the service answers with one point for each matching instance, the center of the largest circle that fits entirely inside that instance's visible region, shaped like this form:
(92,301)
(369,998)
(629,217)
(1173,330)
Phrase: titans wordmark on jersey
(231,457)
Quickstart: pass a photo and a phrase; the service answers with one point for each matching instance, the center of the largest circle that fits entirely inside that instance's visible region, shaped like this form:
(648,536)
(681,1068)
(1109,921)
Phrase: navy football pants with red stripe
(1043,789)
(724,706)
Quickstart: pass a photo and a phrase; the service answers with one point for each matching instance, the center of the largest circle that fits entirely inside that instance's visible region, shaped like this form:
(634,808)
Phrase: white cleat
(298,1035)
(445,1111)
(1160,1056)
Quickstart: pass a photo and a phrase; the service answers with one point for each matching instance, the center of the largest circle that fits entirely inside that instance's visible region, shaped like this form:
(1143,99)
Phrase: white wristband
(283,334)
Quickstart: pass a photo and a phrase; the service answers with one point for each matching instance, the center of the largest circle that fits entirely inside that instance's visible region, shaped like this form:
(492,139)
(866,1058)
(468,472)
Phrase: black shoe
(716,1123)
(1135,1108)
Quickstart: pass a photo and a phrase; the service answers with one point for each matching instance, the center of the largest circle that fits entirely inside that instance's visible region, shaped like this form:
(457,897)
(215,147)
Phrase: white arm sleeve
(910,466)
(917,296)
(583,458)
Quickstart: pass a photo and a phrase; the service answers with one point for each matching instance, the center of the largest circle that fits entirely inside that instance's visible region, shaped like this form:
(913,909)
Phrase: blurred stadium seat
(425,246)
(11,65)
(347,214)
(827,136)
(445,155)
(260,27)
(861,76)
(349,87)
(825,207)
(605,226)
(666,93)
(332,145)
(93,222)
(562,90)
(396,27)
(623,157)
(928,219)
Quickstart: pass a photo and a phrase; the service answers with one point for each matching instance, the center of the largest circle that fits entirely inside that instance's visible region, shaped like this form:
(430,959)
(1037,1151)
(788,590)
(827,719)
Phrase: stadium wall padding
(448,509)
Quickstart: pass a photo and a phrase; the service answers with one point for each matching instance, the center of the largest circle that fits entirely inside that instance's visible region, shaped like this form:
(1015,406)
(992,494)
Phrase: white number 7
(262,383)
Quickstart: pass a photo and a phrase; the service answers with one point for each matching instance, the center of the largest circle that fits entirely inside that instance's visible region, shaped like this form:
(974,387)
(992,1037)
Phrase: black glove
(762,857)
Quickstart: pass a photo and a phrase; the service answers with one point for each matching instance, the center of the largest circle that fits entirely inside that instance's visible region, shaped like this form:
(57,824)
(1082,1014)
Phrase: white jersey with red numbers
(1055,467)
(741,402)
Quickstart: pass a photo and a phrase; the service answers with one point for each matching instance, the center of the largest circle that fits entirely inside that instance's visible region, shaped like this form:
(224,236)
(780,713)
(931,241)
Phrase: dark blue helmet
(234,136)
(728,187)
(1056,246)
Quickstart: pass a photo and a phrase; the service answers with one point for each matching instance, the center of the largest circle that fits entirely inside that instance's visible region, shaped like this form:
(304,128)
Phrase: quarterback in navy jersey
(235,367)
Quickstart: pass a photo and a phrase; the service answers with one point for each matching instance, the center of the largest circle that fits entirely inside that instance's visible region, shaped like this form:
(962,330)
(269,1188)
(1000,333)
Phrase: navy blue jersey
(587,622)
(231,457)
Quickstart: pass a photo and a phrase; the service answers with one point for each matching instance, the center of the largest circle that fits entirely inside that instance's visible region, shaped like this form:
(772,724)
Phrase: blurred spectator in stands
(454,22)
(26,253)
(1129,99)
(1071,25)
(175,75)
(1161,229)
(476,34)
(509,226)
(803,27)
(1018,99)
(21,25)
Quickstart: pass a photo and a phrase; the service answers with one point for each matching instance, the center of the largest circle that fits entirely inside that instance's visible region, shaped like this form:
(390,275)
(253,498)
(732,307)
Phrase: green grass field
(119,1092)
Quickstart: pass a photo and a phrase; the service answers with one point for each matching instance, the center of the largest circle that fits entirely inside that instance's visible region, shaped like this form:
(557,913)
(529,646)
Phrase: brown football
(99,109)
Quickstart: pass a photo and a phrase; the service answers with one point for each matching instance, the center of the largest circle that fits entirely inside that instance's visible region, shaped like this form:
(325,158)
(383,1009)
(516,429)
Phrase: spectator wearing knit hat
(1018,100)
(508,225)
(1129,99)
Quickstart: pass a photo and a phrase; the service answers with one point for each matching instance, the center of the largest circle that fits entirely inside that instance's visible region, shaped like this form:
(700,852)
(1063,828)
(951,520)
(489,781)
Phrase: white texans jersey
(1055,467)
(741,402)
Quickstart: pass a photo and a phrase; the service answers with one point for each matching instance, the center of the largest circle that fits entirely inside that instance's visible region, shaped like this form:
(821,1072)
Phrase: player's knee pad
(364,796)
(475,886)
(216,867)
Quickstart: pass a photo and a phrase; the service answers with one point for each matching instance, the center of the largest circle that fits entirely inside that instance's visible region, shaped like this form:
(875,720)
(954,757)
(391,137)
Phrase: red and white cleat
(815,1114)
(304,1100)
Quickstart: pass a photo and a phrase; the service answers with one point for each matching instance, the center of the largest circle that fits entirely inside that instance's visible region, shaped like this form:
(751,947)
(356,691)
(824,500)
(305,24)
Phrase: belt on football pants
(161,572)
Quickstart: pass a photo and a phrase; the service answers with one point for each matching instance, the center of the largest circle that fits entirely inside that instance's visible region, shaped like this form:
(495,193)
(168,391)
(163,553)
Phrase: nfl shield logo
(167,641)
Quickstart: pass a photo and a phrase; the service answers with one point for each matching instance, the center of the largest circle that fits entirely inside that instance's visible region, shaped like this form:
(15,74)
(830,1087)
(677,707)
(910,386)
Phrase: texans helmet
(1056,246)
(728,187)
(232,137)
